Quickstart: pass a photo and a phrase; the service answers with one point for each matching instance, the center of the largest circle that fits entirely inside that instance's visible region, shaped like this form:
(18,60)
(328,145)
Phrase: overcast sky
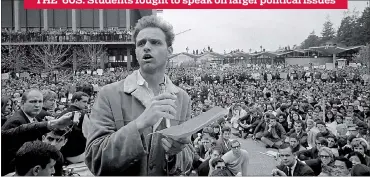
(245,29)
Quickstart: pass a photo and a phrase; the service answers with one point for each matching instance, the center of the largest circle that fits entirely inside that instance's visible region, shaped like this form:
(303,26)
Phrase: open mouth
(147,57)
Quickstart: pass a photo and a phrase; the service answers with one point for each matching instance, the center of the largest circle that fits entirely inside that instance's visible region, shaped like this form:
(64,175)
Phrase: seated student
(342,166)
(290,165)
(313,153)
(224,141)
(274,134)
(36,159)
(218,168)
(294,142)
(57,138)
(237,160)
(299,131)
(324,131)
(204,167)
(332,144)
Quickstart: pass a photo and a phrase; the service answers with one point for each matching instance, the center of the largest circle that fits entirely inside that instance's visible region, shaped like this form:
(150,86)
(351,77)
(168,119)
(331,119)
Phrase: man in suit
(121,138)
(31,105)
(290,166)
(224,141)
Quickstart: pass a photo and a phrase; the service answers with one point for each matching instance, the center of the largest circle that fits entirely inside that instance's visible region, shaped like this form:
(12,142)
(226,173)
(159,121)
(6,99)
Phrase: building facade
(120,52)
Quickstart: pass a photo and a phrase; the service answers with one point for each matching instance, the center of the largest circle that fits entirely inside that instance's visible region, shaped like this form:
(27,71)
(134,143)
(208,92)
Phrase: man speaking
(121,138)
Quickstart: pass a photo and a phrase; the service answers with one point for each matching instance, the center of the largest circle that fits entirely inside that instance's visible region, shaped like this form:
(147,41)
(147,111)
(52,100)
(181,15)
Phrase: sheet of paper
(195,124)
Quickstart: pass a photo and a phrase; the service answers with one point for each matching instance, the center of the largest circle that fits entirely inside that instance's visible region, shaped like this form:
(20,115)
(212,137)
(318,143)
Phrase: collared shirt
(292,168)
(31,119)
(143,83)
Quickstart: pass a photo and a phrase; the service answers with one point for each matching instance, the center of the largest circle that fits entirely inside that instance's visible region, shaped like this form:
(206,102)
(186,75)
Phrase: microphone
(162,90)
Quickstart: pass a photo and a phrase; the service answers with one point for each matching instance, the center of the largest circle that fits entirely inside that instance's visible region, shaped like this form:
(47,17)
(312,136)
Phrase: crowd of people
(322,115)
(67,35)
(110,123)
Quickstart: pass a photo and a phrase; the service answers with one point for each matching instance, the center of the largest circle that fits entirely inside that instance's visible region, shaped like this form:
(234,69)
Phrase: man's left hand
(172,147)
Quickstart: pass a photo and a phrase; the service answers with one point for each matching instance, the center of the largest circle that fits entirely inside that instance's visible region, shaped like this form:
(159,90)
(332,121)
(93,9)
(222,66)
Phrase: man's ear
(43,137)
(65,141)
(36,170)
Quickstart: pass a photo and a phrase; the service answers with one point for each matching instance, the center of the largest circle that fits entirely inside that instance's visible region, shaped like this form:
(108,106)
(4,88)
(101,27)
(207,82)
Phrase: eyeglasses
(324,156)
(220,167)
(236,147)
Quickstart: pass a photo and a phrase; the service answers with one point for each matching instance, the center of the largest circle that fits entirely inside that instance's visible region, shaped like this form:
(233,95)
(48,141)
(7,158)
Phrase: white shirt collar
(293,167)
(31,119)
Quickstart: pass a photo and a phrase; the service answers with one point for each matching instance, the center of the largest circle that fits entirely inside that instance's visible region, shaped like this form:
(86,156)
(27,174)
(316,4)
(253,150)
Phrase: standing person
(120,139)
(74,149)
(31,105)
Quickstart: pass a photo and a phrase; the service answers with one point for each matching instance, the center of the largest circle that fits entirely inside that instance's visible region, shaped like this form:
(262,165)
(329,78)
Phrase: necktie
(289,171)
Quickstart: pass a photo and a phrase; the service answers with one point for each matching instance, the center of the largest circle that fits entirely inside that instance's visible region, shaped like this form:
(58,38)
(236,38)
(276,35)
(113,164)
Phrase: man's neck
(27,115)
(154,79)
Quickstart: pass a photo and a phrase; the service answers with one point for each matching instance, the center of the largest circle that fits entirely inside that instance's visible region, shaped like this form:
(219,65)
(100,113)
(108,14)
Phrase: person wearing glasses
(237,160)
(290,165)
(324,164)
(314,152)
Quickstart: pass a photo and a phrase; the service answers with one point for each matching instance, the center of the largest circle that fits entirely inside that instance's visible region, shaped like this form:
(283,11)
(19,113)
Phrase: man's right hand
(162,105)
(61,123)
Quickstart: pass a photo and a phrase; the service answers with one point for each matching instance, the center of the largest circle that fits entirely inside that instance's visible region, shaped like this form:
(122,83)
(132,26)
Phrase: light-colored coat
(114,144)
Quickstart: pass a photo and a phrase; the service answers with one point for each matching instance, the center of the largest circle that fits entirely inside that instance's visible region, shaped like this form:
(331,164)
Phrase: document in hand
(195,124)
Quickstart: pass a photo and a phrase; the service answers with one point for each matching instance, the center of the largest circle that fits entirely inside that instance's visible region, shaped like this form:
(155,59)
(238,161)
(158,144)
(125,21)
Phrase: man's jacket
(114,145)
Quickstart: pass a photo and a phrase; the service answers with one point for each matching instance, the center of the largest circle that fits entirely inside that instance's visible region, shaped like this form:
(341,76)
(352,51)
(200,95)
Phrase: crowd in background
(66,35)
(322,115)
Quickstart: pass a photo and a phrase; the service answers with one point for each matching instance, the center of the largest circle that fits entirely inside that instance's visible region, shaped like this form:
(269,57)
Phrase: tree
(311,41)
(346,31)
(51,56)
(328,32)
(363,57)
(13,57)
(363,27)
(90,53)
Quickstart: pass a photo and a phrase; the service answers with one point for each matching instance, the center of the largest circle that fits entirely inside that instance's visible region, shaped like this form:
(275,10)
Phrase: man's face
(235,147)
(206,143)
(226,135)
(359,149)
(321,128)
(82,104)
(220,165)
(348,120)
(216,130)
(32,106)
(319,145)
(353,132)
(215,154)
(54,140)
(366,109)
(151,50)
(298,127)
(50,104)
(331,142)
(350,109)
(48,170)
(293,142)
(273,122)
(287,157)
(340,169)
